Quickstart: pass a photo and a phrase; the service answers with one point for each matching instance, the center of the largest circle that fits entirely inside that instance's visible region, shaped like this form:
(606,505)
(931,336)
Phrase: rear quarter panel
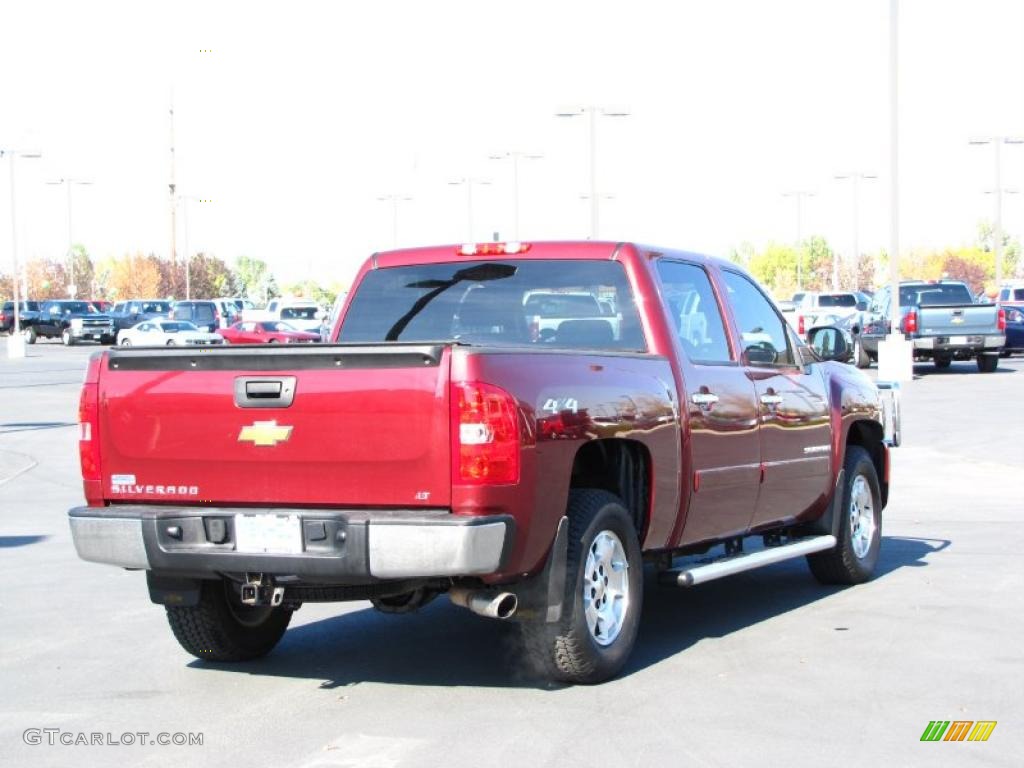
(566,400)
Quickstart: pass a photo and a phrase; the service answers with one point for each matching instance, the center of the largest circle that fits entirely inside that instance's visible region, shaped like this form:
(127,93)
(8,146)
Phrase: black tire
(126,342)
(567,650)
(842,564)
(988,363)
(30,336)
(108,340)
(221,628)
(170,343)
(67,339)
(942,363)
(860,356)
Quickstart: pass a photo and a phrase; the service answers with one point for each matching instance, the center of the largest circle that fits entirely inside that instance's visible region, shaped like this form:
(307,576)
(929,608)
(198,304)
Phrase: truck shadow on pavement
(442,645)
(7,542)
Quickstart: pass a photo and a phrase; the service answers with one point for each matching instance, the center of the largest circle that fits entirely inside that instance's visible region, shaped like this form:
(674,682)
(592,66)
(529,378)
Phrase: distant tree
(251,278)
(83,272)
(211,277)
(6,288)
(135,276)
(46,279)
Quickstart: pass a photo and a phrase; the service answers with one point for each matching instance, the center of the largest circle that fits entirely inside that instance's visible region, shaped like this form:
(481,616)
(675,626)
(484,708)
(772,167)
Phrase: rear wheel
(222,628)
(853,559)
(126,342)
(30,336)
(988,363)
(604,594)
(67,338)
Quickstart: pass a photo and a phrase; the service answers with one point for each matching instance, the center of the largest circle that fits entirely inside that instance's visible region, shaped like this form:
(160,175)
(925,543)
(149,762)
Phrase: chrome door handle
(703,399)
(771,399)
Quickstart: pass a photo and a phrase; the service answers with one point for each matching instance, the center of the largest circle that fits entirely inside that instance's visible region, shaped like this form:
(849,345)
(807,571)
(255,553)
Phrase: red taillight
(910,322)
(1001,322)
(800,325)
(492,249)
(485,435)
(88,432)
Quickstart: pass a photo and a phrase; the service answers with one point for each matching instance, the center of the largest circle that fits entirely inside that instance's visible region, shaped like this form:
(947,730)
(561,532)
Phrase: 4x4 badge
(265,433)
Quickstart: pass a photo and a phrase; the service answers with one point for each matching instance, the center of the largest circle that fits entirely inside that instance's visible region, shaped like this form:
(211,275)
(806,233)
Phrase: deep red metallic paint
(384,437)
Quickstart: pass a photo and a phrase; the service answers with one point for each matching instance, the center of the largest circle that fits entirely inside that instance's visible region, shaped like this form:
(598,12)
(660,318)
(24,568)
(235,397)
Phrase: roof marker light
(492,249)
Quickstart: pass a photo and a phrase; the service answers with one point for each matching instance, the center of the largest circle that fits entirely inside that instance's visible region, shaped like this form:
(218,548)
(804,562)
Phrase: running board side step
(689,577)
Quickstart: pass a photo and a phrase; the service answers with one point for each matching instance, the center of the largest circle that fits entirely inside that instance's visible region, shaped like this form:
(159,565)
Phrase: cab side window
(763,332)
(693,310)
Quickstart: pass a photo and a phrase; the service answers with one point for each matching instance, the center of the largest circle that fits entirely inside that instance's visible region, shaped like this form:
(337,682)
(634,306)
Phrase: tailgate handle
(264,391)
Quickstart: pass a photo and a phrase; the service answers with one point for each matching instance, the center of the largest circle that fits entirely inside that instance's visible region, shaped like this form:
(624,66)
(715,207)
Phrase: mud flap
(172,590)
(832,518)
(541,596)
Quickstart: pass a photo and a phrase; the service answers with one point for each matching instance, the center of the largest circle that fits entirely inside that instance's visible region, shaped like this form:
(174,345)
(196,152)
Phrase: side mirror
(829,343)
(862,306)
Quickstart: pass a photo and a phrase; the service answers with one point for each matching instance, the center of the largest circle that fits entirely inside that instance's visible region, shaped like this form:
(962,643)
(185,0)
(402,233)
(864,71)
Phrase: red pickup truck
(442,443)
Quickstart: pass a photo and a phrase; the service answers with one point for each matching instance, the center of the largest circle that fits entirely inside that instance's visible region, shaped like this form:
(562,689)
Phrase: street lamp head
(615,112)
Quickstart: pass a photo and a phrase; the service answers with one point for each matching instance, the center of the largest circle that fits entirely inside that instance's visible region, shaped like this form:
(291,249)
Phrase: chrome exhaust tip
(493,605)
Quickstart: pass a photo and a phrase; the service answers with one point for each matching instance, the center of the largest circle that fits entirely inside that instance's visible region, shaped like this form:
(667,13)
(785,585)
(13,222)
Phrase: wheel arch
(870,436)
(619,466)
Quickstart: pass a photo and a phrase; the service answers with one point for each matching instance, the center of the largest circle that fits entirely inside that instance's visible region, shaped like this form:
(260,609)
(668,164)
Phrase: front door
(721,435)
(795,428)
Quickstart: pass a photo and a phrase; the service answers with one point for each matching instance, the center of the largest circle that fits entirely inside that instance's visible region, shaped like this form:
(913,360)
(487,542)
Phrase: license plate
(269,534)
(957,339)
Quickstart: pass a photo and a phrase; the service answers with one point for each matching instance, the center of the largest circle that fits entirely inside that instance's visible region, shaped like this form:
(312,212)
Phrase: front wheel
(853,559)
(860,357)
(30,336)
(222,628)
(941,363)
(604,595)
(126,342)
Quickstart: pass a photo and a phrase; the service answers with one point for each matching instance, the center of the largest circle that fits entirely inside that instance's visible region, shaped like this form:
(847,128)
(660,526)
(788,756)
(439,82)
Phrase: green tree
(253,279)
(81,268)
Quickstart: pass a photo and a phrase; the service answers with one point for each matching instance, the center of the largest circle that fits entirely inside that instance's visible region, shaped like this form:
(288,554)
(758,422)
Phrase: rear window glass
(935,295)
(202,313)
(497,303)
(302,313)
(837,300)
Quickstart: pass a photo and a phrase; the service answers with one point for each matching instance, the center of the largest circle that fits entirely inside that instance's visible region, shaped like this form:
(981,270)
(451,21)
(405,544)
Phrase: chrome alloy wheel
(862,517)
(606,587)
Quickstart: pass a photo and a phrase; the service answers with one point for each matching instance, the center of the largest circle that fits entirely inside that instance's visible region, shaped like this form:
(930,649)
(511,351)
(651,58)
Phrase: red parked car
(266,332)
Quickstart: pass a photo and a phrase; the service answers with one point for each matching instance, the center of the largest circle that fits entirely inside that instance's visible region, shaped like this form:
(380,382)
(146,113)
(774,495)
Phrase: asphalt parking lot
(766,668)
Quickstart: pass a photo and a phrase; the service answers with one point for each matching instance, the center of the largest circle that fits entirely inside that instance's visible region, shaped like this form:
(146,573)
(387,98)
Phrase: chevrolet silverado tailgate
(958,320)
(345,425)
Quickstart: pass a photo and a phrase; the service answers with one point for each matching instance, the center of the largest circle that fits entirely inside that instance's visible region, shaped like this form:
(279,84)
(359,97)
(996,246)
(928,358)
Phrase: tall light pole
(394,198)
(470,183)
(856,178)
(799,196)
(172,189)
(185,199)
(515,157)
(592,113)
(12,154)
(997,235)
(72,288)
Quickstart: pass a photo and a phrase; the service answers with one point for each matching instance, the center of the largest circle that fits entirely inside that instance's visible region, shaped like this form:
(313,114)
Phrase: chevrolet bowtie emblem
(264,433)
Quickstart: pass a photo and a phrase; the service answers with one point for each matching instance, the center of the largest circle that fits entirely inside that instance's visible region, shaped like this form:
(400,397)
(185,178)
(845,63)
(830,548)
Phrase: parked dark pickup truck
(27,311)
(69,321)
(942,321)
(125,314)
(441,444)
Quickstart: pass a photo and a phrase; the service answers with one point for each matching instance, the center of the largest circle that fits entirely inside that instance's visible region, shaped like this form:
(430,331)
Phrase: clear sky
(293,118)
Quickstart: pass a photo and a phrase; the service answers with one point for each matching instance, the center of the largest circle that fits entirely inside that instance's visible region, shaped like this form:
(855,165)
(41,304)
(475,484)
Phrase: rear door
(358,426)
(722,437)
(795,428)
